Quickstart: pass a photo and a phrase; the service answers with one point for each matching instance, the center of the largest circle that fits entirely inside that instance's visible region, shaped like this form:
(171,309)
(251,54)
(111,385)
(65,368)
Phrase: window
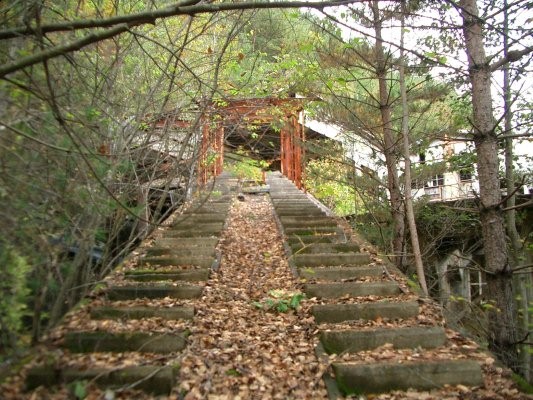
(465,174)
(436,180)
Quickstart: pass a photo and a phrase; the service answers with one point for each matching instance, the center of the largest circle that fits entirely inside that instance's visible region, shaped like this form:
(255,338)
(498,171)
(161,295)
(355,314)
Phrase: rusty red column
(203,154)
(219,148)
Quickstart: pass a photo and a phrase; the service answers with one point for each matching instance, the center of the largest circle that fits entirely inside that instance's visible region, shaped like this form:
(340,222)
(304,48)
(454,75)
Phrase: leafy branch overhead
(120,24)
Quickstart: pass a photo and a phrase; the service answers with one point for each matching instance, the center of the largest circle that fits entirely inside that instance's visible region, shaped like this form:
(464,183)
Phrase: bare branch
(522,205)
(62,49)
(186,7)
(512,56)
(122,23)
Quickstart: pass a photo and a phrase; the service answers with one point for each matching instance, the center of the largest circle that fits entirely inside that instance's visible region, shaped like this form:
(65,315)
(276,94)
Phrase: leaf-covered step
(178,243)
(170,313)
(317,248)
(86,342)
(132,292)
(196,251)
(353,289)
(330,259)
(425,375)
(189,275)
(339,273)
(157,380)
(335,313)
(353,341)
(166,261)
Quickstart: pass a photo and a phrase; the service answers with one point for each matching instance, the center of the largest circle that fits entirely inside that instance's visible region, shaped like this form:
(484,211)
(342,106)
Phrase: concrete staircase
(352,290)
(176,266)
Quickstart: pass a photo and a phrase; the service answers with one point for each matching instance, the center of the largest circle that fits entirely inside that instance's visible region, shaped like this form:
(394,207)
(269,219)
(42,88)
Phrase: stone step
(301,213)
(386,377)
(146,342)
(335,313)
(353,341)
(298,208)
(310,231)
(317,248)
(206,227)
(292,202)
(209,208)
(165,261)
(170,313)
(352,289)
(193,233)
(293,205)
(309,224)
(201,218)
(188,275)
(213,198)
(330,259)
(132,292)
(339,273)
(316,221)
(157,380)
(306,240)
(291,199)
(178,243)
(196,251)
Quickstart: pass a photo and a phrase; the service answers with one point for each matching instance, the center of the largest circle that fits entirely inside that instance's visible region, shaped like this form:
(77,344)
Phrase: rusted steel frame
(253,110)
(219,148)
(283,149)
(302,148)
(290,153)
(297,152)
(257,110)
(202,156)
(212,139)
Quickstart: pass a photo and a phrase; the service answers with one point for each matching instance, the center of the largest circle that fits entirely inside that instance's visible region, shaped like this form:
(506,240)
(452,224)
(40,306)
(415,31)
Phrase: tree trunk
(390,143)
(502,318)
(413,233)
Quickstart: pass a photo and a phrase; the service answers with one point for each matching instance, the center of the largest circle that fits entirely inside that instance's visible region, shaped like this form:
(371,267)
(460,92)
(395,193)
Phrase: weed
(280,301)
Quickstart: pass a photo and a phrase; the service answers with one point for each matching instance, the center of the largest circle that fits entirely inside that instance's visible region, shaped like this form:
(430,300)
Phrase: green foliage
(246,168)
(79,389)
(233,372)
(437,221)
(280,301)
(327,180)
(13,295)
(524,386)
